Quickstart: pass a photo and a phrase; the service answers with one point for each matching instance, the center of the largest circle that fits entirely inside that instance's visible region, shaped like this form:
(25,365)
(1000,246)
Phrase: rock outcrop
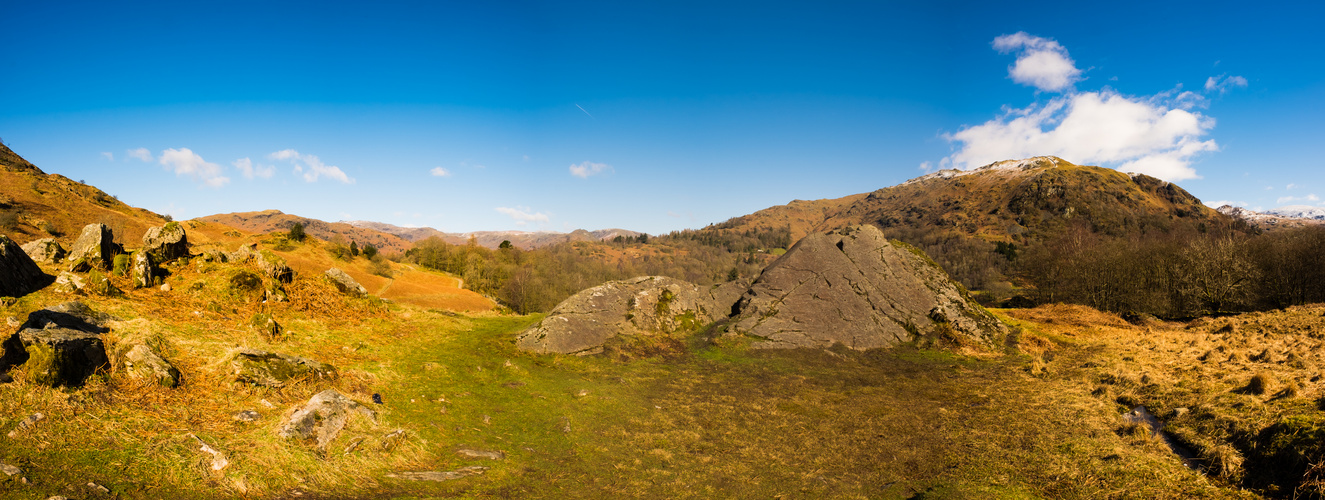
(141,362)
(45,250)
(643,306)
(854,287)
(345,283)
(59,346)
(324,416)
(68,282)
(166,243)
(94,249)
(19,275)
(274,267)
(270,369)
(144,270)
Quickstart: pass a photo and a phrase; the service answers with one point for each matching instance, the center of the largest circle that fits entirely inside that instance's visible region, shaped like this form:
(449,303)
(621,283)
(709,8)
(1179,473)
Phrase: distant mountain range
(493,239)
(1278,218)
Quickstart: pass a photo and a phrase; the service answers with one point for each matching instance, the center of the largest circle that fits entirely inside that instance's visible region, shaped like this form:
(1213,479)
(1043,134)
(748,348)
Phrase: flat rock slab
(440,475)
(45,250)
(490,455)
(271,369)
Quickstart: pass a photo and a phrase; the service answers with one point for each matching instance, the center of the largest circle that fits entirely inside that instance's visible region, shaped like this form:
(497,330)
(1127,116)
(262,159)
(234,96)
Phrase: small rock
(26,425)
(377,398)
(247,416)
(354,445)
(141,362)
(508,364)
(487,419)
(98,488)
(10,470)
(390,441)
(266,403)
(67,282)
(56,497)
(490,455)
(219,461)
(439,475)
(165,287)
(582,393)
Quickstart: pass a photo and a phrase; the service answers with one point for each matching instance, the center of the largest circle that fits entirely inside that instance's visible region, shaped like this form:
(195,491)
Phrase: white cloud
(926,166)
(249,170)
(588,168)
(1290,186)
(1041,63)
(1137,135)
(1223,83)
(440,172)
(1220,203)
(311,166)
(109,156)
(524,215)
(184,161)
(1288,199)
(140,153)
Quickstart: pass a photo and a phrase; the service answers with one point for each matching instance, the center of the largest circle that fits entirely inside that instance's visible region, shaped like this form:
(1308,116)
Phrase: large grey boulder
(144,270)
(271,369)
(324,416)
(94,249)
(854,287)
(59,346)
(45,250)
(642,306)
(19,275)
(345,283)
(141,362)
(166,243)
(274,267)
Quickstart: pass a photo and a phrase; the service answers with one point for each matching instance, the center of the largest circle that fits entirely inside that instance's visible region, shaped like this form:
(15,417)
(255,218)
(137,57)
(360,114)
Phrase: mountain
(35,205)
(1008,201)
(492,239)
(268,221)
(1289,217)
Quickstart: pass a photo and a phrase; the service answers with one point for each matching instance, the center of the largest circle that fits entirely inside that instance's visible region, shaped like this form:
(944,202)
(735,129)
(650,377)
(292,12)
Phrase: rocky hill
(1279,218)
(492,239)
(36,205)
(1010,201)
(268,221)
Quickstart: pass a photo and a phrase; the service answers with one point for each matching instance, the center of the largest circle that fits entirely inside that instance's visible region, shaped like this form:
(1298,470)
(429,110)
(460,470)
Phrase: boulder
(241,255)
(94,248)
(166,243)
(99,284)
(45,250)
(271,369)
(58,348)
(141,362)
(19,275)
(854,287)
(642,306)
(74,314)
(274,267)
(345,283)
(69,282)
(144,270)
(324,416)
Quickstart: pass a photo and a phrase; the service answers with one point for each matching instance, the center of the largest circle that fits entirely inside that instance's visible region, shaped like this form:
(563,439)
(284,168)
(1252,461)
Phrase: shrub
(379,266)
(297,232)
(1260,384)
(369,251)
(9,220)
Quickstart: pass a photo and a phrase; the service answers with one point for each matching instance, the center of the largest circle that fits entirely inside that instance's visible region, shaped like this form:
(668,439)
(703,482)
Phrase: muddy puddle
(1140,415)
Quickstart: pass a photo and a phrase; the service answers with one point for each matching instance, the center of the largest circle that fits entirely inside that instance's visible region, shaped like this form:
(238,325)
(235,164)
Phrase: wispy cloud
(249,170)
(524,215)
(1220,203)
(588,168)
(140,153)
(1223,83)
(1041,63)
(184,161)
(109,156)
(1289,199)
(440,172)
(310,166)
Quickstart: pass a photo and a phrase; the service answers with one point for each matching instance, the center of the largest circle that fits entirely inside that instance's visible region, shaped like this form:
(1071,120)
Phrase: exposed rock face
(19,275)
(855,288)
(647,305)
(144,270)
(166,243)
(275,370)
(141,362)
(94,248)
(323,418)
(45,250)
(345,283)
(59,345)
(274,267)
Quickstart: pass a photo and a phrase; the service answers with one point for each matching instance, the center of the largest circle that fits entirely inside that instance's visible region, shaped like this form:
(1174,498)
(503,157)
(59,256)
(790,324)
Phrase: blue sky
(648,116)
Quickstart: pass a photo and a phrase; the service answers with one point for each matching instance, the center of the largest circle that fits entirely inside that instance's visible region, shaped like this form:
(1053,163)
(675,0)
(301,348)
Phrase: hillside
(34,205)
(527,240)
(268,221)
(1010,201)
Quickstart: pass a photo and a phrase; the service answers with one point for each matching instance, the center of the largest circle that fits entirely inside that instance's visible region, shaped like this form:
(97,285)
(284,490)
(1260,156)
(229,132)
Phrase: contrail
(585,112)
